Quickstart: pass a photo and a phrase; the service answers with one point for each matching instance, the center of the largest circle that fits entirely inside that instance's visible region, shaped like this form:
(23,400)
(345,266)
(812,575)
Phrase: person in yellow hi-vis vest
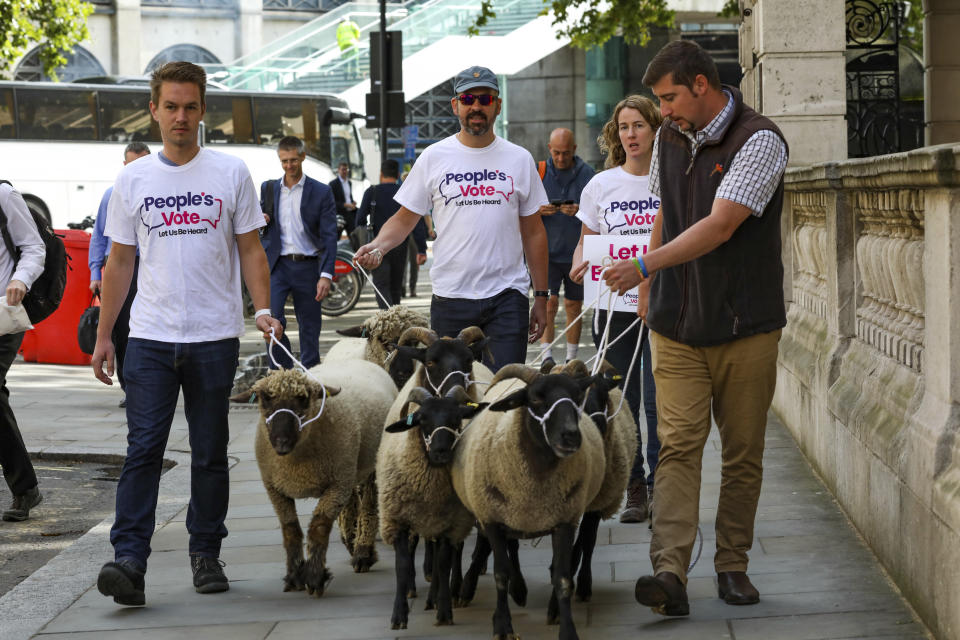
(348,33)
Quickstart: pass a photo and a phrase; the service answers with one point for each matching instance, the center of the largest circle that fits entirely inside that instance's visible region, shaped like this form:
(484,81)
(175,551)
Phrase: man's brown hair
(686,60)
(179,71)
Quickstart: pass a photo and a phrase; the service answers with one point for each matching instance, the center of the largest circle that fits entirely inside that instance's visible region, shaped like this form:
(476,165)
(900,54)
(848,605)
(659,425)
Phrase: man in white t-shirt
(195,217)
(485,194)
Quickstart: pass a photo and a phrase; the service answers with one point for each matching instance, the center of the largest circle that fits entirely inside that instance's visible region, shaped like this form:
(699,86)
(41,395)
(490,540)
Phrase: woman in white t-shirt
(618,202)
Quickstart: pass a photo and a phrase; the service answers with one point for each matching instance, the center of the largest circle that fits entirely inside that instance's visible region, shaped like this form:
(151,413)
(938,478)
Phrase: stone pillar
(249,27)
(792,56)
(941,66)
(126,39)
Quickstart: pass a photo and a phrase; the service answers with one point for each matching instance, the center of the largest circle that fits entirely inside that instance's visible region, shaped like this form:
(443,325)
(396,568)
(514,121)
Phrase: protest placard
(603,251)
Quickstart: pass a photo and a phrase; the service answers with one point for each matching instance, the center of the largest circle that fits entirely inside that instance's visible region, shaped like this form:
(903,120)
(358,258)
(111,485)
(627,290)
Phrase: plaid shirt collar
(713,128)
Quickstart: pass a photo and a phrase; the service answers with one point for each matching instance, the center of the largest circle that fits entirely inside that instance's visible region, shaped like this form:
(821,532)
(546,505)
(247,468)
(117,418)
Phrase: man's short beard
(473,129)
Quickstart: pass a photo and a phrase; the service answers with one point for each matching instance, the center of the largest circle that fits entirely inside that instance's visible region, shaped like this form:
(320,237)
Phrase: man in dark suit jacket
(343,196)
(300,241)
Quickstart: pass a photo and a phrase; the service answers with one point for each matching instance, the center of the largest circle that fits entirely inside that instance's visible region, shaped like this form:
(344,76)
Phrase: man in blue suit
(300,241)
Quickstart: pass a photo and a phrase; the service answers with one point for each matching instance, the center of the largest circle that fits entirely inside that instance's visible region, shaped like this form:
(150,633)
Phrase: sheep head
(288,398)
(383,328)
(440,357)
(439,420)
(550,410)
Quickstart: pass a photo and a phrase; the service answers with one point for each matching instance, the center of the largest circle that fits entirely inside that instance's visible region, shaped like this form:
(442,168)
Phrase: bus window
(125,117)
(279,117)
(228,120)
(6,114)
(345,148)
(57,114)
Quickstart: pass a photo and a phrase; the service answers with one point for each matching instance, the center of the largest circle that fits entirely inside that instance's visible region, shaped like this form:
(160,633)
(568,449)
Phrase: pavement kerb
(48,591)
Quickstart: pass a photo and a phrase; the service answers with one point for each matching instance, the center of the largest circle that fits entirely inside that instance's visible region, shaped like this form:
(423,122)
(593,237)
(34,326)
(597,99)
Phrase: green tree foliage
(56,25)
(590,23)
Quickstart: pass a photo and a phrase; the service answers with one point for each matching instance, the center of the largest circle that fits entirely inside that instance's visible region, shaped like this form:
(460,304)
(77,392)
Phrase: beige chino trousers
(736,380)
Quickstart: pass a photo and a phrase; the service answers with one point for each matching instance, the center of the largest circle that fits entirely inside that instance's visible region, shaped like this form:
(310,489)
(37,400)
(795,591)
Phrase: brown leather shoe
(636,507)
(735,588)
(664,594)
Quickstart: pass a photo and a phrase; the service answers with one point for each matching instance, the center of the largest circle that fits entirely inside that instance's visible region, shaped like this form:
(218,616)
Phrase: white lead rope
(323,400)
(366,274)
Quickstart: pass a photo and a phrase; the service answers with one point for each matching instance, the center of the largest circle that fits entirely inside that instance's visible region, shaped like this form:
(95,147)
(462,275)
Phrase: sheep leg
(518,586)
(431,602)
(365,553)
(404,563)
(587,538)
(347,521)
(412,570)
(441,574)
(562,538)
(428,550)
(315,573)
(479,561)
(286,511)
(502,623)
(456,574)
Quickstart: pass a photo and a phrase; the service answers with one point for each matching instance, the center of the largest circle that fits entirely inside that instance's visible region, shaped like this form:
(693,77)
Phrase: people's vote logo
(632,213)
(483,184)
(183,214)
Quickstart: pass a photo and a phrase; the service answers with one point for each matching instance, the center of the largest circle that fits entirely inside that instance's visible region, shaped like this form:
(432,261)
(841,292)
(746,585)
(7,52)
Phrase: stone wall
(869,369)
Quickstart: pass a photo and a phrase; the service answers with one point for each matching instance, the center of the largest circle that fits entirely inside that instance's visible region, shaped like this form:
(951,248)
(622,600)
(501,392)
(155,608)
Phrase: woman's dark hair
(684,59)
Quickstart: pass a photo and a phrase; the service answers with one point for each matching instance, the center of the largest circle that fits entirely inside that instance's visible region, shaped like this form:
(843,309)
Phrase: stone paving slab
(816,577)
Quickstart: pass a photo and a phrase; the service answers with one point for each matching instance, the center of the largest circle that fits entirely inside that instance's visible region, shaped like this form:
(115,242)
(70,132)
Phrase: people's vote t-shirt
(615,202)
(477,197)
(184,220)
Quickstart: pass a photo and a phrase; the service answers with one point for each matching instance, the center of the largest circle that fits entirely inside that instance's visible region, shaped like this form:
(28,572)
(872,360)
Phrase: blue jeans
(300,279)
(156,372)
(619,355)
(504,318)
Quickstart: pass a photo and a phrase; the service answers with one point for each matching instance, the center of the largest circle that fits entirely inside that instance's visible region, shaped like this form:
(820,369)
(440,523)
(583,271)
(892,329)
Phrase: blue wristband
(643,267)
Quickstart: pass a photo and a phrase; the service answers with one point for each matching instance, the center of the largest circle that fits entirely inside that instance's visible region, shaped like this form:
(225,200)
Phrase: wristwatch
(541,294)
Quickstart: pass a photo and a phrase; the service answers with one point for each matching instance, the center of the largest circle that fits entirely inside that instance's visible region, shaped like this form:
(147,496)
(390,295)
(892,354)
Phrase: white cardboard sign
(602,251)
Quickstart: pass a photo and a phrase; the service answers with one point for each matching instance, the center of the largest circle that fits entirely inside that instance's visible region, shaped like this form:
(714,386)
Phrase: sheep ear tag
(410,420)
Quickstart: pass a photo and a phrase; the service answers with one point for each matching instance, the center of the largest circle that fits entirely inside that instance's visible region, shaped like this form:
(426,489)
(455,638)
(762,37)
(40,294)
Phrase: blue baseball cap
(475,77)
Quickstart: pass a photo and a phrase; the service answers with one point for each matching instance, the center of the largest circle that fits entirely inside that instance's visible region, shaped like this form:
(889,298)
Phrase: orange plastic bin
(54,340)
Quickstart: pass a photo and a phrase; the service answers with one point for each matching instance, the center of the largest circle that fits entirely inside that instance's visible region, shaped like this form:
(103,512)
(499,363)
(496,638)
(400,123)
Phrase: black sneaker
(20,509)
(123,402)
(123,580)
(208,575)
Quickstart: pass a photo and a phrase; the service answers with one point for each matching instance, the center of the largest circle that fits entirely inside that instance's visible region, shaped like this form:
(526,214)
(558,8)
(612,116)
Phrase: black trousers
(17,468)
(388,277)
(121,328)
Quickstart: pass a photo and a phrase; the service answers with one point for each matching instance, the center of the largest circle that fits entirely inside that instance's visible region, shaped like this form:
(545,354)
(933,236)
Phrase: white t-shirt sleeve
(248,216)
(589,213)
(121,221)
(415,193)
(536,195)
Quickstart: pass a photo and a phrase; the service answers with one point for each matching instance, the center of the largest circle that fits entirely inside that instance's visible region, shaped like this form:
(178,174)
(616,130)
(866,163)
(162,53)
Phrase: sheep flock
(404,434)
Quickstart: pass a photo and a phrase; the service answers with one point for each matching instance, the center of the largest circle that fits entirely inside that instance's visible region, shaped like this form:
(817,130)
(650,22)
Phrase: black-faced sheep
(438,366)
(530,471)
(331,457)
(415,493)
(612,416)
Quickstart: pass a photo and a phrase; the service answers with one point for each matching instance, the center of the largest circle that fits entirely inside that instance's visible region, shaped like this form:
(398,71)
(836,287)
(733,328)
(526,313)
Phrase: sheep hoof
(428,577)
(459,604)
(443,623)
(429,605)
(316,587)
(398,625)
(552,619)
(411,593)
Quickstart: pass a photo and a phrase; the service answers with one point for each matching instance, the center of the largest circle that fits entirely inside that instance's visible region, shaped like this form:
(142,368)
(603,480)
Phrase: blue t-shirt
(563,231)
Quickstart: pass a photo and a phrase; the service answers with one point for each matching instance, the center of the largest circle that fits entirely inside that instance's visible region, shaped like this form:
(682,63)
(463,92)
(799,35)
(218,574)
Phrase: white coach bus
(61,144)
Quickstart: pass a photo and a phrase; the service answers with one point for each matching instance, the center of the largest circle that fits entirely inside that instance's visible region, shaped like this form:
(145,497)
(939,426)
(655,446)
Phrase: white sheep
(376,335)
(415,494)
(530,471)
(330,456)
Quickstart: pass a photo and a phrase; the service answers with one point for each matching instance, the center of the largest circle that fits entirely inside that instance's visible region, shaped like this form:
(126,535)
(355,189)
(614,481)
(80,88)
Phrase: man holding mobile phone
(564,176)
